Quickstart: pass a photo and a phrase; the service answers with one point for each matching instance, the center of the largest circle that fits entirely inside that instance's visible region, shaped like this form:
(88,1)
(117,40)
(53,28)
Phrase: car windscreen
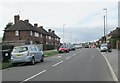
(20,49)
(104,45)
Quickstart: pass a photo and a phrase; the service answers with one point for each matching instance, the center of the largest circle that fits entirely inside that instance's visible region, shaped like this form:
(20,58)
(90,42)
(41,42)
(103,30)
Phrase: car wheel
(42,59)
(33,61)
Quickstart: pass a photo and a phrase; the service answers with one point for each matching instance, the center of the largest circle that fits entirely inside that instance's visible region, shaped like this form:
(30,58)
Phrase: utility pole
(63,33)
(104,30)
(106,25)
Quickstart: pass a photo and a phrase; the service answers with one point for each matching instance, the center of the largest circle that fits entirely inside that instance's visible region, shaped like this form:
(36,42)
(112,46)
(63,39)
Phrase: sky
(82,19)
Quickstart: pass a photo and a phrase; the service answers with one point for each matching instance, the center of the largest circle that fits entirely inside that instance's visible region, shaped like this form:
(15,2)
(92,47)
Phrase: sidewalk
(113,60)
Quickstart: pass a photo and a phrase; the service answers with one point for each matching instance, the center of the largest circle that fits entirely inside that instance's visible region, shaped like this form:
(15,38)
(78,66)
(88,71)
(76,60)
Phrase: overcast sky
(83,19)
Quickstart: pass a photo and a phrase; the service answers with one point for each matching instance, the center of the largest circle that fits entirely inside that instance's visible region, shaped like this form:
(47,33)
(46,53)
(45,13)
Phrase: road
(80,65)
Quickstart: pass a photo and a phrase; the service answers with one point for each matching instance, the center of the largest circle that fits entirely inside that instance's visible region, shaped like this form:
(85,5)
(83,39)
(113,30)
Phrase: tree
(7,26)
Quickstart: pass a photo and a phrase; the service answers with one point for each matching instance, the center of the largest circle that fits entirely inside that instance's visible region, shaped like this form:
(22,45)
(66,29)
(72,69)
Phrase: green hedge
(4,47)
(48,47)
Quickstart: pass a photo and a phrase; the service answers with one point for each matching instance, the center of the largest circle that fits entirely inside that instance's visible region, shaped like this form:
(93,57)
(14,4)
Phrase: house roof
(42,30)
(22,25)
(115,32)
(53,35)
(26,26)
(57,36)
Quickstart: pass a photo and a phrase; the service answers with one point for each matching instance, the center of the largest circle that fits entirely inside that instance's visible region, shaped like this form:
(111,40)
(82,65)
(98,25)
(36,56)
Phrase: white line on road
(74,54)
(68,57)
(57,63)
(34,76)
(111,70)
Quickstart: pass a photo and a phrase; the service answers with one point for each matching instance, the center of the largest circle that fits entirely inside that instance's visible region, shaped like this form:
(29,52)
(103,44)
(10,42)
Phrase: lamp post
(106,22)
(104,30)
(63,33)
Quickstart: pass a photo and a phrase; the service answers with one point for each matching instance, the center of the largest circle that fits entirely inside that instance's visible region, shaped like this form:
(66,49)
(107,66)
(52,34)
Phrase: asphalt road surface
(80,65)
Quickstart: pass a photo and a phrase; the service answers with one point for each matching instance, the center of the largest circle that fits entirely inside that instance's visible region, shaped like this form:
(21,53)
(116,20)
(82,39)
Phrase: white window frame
(50,37)
(31,33)
(16,33)
(36,34)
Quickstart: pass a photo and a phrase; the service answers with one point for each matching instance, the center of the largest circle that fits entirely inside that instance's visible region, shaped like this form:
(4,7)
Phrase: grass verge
(50,53)
(4,65)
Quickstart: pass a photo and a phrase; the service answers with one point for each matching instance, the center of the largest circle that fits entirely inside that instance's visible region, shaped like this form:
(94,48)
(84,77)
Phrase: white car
(27,53)
(103,47)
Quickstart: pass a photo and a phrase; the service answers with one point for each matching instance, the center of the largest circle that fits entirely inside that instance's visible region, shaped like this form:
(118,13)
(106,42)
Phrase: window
(20,49)
(36,34)
(31,33)
(41,35)
(49,37)
(16,33)
(32,48)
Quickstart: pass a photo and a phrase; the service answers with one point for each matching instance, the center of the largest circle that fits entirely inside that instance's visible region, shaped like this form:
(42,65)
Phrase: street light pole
(106,21)
(63,33)
(104,30)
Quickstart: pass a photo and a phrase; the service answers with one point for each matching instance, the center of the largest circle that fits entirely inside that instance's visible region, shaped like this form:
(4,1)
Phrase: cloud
(84,20)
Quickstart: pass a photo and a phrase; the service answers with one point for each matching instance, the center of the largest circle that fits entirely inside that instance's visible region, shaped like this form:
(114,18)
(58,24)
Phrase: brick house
(22,32)
(55,40)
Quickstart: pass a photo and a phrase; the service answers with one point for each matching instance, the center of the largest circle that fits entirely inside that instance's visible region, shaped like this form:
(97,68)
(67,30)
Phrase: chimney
(35,25)
(41,27)
(49,30)
(16,18)
(53,31)
(27,20)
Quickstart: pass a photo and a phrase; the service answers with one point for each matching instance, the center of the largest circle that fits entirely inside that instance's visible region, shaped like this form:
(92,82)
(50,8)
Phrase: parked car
(86,46)
(73,47)
(109,48)
(103,47)
(27,53)
(63,49)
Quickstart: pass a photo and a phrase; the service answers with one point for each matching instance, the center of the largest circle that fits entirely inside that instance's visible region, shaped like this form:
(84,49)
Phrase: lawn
(4,65)
(50,53)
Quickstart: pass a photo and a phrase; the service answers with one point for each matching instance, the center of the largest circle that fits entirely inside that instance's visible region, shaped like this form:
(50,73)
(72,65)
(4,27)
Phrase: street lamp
(104,30)
(63,32)
(106,21)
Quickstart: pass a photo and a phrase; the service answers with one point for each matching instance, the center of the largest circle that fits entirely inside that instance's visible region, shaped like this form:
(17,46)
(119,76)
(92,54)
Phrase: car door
(39,52)
(34,52)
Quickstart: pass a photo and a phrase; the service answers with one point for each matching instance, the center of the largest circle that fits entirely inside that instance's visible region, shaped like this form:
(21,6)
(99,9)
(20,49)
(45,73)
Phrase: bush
(48,47)
(5,47)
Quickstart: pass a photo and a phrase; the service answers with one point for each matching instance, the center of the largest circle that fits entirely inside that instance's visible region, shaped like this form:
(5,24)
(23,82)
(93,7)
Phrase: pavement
(113,60)
(80,65)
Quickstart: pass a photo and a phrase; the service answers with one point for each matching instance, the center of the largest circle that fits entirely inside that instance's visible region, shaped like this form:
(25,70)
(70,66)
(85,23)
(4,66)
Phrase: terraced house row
(22,32)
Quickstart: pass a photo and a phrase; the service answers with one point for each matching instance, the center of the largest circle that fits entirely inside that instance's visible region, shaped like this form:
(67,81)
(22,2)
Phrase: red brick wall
(24,35)
(10,36)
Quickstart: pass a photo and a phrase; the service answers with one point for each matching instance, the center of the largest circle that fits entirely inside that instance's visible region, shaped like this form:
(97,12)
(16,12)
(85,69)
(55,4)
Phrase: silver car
(103,47)
(27,53)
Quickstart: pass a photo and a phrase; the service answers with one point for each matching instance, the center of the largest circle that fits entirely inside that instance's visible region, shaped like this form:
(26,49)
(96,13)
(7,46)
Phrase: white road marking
(74,54)
(68,57)
(34,76)
(111,70)
(57,63)
(59,56)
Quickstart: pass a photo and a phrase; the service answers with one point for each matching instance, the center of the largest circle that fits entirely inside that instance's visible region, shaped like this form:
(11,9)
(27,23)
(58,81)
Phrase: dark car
(109,48)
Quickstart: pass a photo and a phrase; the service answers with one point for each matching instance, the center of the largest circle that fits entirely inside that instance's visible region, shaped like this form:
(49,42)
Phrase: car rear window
(104,45)
(20,49)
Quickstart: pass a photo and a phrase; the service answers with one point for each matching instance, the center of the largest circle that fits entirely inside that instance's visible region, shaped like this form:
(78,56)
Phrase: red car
(63,49)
